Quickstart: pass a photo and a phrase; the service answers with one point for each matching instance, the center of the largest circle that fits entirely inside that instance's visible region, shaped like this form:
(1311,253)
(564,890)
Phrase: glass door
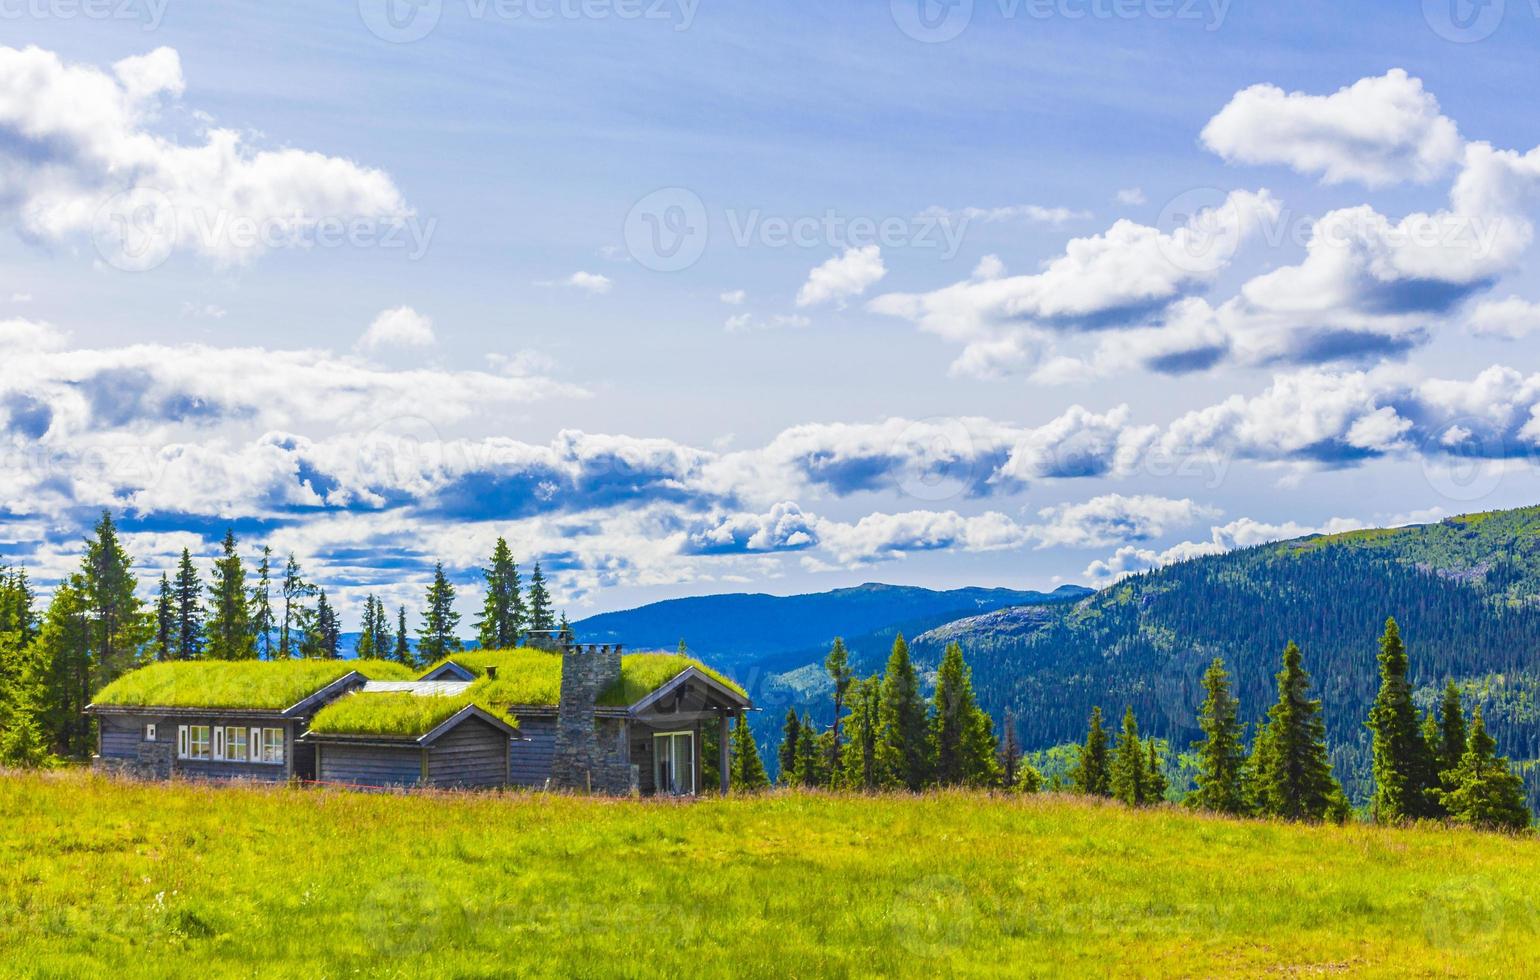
(673,763)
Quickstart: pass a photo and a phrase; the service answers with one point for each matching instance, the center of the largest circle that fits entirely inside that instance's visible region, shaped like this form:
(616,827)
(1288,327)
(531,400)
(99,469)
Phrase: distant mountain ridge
(740,629)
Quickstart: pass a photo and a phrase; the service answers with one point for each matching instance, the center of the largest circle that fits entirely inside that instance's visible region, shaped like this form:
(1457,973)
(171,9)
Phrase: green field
(105,878)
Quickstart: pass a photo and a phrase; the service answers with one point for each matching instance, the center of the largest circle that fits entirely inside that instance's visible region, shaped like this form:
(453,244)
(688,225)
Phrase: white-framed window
(673,763)
(149,732)
(219,743)
(235,745)
(271,746)
(192,741)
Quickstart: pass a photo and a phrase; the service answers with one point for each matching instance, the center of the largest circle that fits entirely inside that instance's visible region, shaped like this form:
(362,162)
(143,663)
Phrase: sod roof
(245,685)
(533,677)
(396,714)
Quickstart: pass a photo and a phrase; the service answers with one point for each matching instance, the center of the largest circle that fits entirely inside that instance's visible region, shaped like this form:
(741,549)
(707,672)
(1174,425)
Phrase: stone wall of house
(588,759)
(151,760)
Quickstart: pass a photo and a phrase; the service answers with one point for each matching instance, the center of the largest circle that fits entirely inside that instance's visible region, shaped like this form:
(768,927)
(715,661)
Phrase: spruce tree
(1486,793)
(1010,751)
(564,630)
(1130,773)
(962,740)
(837,664)
(23,689)
(1292,771)
(809,760)
(1403,766)
(167,634)
(1221,754)
(748,769)
(402,652)
(364,647)
(436,638)
(1091,774)
(1452,739)
(230,636)
(295,621)
(324,640)
(791,734)
(541,618)
(262,619)
(1155,781)
(63,651)
(120,627)
(858,760)
(189,609)
(902,729)
(502,611)
(16,613)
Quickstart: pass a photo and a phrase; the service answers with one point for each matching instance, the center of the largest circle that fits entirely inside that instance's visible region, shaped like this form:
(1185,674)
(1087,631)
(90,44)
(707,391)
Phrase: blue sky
(694,297)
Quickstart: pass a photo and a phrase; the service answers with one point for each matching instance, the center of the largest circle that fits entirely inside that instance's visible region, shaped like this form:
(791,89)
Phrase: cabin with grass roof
(585,718)
(223,719)
(594,718)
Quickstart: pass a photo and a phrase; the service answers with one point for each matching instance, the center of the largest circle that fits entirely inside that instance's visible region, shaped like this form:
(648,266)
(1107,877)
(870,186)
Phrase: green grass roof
(524,677)
(252,685)
(396,715)
(533,677)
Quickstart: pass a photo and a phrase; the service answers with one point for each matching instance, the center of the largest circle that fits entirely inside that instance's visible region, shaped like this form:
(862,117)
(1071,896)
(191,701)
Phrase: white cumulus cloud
(843,277)
(1376,131)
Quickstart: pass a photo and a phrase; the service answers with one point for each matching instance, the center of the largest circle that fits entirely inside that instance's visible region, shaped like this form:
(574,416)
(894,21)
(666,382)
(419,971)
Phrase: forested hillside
(1464,591)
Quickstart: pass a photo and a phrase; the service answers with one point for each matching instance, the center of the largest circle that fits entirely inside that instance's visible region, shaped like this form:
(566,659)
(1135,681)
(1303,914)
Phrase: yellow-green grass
(396,715)
(101,878)
(533,677)
(257,685)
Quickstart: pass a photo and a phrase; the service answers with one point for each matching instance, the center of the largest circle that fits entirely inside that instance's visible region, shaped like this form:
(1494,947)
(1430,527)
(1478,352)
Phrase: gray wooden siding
(529,762)
(121,735)
(474,754)
(369,765)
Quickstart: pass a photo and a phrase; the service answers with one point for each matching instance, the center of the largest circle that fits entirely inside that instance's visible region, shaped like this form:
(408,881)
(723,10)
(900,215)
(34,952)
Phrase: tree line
(885,735)
(96,628)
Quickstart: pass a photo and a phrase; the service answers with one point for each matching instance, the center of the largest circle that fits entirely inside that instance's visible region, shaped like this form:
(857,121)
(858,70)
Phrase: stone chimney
(578,762)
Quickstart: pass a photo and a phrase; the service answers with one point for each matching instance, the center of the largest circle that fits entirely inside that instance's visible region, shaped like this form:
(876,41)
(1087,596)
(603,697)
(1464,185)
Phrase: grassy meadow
(106,878)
